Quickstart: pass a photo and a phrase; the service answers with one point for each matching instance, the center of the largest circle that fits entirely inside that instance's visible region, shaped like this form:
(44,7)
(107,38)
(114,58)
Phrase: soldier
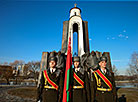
(104,89)
(80,84)
(51,83)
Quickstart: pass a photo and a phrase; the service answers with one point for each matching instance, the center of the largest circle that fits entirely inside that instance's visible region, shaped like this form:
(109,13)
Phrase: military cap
(53,58)
(103,58)
(76,59)
(52,54)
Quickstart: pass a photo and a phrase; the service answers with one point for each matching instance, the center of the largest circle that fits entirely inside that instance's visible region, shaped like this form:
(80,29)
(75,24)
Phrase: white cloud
(124,31)
(113,38)
(107,38)
(120,35)
(90,39)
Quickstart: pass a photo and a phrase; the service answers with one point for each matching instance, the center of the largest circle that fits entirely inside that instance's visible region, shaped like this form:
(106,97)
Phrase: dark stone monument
(88,59)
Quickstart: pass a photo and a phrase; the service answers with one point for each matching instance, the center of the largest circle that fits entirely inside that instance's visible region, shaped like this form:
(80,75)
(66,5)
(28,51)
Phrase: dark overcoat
(81,94)
(103,96)
(51,95)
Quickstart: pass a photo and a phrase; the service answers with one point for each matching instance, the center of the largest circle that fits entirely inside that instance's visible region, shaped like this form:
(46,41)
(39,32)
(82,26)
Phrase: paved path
(5,97)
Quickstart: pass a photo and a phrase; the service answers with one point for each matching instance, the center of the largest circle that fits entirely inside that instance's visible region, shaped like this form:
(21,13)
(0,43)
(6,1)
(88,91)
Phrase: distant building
(20,70)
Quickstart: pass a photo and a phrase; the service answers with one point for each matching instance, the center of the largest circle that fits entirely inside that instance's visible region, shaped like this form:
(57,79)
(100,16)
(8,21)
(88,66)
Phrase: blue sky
(27,28)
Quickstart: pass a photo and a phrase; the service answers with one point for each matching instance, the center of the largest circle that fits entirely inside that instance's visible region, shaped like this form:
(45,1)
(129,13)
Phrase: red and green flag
(67,80)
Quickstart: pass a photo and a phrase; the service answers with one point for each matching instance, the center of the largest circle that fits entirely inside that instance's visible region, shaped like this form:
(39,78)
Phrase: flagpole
(66,91)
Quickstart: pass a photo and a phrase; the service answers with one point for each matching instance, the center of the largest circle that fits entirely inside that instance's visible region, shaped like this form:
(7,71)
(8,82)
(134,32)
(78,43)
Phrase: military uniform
(46,91)
(103,90)
(80,84)
(80,89)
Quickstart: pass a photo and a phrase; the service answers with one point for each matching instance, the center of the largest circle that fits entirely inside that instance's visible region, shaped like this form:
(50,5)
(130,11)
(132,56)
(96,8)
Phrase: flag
(66,91)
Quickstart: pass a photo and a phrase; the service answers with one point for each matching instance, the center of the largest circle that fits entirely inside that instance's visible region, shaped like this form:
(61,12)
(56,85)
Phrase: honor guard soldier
(51,83)
(104,89)
(80,84)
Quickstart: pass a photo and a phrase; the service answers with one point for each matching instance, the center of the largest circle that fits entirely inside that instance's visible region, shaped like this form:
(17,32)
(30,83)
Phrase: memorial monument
(76,24)
(89,61)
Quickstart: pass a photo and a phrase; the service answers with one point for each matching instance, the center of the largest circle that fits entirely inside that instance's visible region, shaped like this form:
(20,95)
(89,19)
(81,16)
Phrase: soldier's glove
(38,101)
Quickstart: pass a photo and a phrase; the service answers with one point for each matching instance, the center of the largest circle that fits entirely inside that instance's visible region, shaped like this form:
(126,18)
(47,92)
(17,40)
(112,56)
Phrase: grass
(131,94)
(27,92)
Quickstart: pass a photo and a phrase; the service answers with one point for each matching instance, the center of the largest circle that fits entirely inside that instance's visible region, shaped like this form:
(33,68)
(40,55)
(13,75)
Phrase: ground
(28,94)
(131,94)
(17,94)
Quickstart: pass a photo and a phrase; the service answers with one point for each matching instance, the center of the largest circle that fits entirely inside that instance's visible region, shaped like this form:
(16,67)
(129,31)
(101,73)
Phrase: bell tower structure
(75,24)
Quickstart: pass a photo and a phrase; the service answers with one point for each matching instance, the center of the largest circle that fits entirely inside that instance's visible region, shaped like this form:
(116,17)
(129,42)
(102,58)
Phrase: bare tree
(114,69)
(5,63)
(133,67)
(6,72)
(16,63)
(34,68)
